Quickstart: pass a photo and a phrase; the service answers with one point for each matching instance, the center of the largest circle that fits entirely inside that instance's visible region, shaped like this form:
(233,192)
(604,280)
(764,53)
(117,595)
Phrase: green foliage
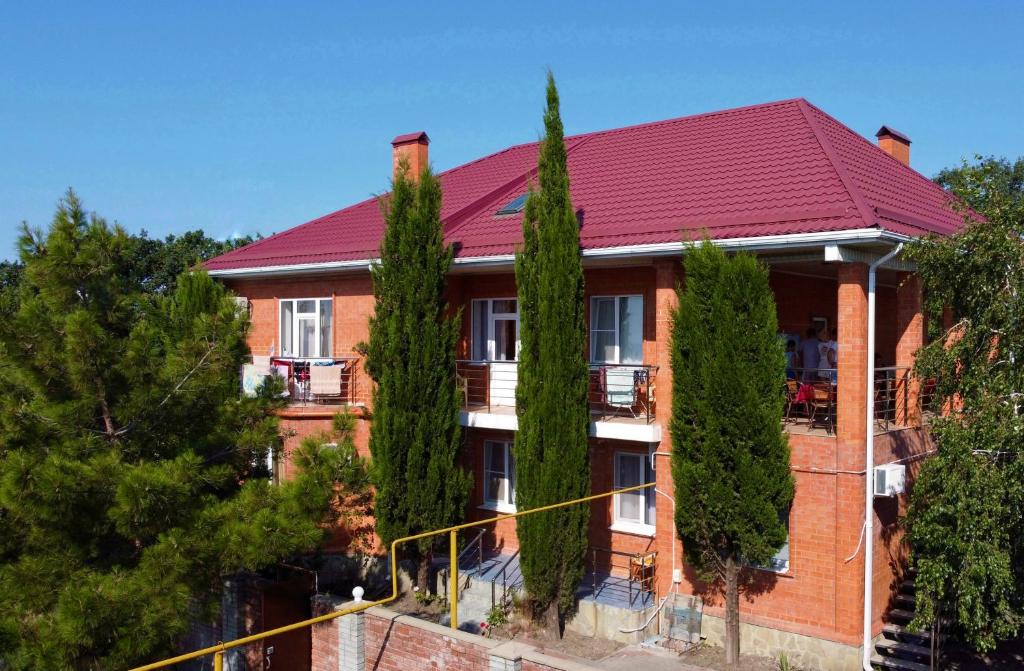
(415,435)
(551,455)
(965,522)
(730,457)
(10,279)
(497,615)
(784,664)
(132,476)
(990,185)
(159,262)
(154,265)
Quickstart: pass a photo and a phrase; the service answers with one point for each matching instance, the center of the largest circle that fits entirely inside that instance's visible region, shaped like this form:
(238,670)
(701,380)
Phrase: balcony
(621,398)
(812,401)
(315,384)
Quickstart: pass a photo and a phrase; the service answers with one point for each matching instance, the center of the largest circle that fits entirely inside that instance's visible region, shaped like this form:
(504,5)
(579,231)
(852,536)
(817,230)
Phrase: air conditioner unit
(890,479)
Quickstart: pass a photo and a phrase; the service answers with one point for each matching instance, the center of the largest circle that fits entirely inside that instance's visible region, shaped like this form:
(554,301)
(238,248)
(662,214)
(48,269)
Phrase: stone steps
(898,664)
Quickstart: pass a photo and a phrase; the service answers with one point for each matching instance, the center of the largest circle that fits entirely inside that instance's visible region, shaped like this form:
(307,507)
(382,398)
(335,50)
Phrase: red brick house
(816,202)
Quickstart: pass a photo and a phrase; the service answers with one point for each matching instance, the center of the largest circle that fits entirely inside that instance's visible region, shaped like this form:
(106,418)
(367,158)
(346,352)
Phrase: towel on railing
(325,380)
(252,377)
(619,387)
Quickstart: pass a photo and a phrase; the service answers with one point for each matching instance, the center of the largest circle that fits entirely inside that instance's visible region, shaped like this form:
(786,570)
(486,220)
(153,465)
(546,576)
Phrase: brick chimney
(413,148)
(894,143)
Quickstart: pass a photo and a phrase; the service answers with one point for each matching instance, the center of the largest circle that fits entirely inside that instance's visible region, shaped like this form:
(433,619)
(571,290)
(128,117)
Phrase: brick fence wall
(381,640)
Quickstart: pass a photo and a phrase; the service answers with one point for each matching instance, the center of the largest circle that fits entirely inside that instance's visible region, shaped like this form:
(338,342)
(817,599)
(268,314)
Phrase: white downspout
(869,461)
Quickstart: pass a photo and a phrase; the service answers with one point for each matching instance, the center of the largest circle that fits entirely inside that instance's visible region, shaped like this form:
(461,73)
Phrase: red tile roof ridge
(899,165)
(688,117)
(866,213)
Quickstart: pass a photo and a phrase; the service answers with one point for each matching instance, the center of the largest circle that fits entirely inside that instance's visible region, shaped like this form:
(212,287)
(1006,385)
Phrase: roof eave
(755,244)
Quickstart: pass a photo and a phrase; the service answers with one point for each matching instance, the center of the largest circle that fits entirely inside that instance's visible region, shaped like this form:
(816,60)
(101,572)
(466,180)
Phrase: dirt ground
(635,657)
(574,646)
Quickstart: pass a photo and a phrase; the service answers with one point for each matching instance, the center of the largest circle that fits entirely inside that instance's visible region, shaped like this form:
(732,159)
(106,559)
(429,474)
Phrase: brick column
(910,329)
(667,272)
(852,364)
(851,437)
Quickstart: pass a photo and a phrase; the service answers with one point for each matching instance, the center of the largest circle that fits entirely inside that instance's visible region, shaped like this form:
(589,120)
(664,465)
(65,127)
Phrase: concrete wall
(806,652)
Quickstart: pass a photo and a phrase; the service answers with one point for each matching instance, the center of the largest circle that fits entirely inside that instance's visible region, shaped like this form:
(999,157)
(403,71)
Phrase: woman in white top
(828,350)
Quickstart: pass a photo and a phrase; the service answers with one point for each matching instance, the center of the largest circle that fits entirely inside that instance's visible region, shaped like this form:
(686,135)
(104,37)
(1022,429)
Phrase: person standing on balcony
(809,355)
(791,360)
(828,356)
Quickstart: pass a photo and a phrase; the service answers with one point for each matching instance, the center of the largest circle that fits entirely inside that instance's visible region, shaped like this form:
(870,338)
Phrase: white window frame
(618,343)
(646,526)
(296,318)
(508,473)
(492,317)
(779,564)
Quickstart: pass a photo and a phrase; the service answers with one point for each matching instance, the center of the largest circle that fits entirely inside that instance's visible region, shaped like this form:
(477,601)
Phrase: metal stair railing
(478,545)
(504,574)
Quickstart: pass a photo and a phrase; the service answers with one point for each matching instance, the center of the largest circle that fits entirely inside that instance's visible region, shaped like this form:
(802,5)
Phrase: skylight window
(515,206)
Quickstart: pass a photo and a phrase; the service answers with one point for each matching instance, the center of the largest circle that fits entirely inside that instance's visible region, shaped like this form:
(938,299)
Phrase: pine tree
(551,455)
(730,457)
(124,447)
(415,435)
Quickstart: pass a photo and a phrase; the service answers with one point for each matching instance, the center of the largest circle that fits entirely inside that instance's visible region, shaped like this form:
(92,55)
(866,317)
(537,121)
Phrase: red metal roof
(772,169)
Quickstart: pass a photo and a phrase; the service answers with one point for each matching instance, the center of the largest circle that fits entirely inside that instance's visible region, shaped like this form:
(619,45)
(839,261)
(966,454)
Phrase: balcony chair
(462,389)
(619,388)
(822,406)
(792,399)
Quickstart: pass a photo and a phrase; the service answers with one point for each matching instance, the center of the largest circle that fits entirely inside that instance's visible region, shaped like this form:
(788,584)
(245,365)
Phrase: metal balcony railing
(811,396)
(622,390)
(614,391)
(306,381)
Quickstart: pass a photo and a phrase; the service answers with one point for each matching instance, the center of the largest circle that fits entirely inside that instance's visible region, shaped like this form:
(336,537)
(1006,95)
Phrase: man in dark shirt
(809,355)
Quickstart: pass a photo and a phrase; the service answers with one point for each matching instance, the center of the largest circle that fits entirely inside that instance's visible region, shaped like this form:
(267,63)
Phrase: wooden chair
(792,391)
(641,569)
(462,388)
(822,406)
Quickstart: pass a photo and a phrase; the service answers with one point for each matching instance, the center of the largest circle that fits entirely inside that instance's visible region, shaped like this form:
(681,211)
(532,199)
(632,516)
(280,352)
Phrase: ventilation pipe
(869,460)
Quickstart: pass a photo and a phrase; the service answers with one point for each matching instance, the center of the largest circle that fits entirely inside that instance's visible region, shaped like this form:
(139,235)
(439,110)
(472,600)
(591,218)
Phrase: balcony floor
(510,411)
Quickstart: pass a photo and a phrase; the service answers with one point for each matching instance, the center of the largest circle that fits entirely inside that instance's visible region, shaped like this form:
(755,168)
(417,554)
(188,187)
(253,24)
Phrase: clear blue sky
(243,118)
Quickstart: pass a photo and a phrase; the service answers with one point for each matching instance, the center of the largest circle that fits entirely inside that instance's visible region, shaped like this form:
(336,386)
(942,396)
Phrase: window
(499,476)
(634,511)
(780,562)
(306,326)
(495,329)
(515,206)
(616,329)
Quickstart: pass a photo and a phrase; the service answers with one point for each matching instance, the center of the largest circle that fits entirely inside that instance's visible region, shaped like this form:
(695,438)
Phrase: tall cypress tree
(552,461)
(415,435)
(730,456)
